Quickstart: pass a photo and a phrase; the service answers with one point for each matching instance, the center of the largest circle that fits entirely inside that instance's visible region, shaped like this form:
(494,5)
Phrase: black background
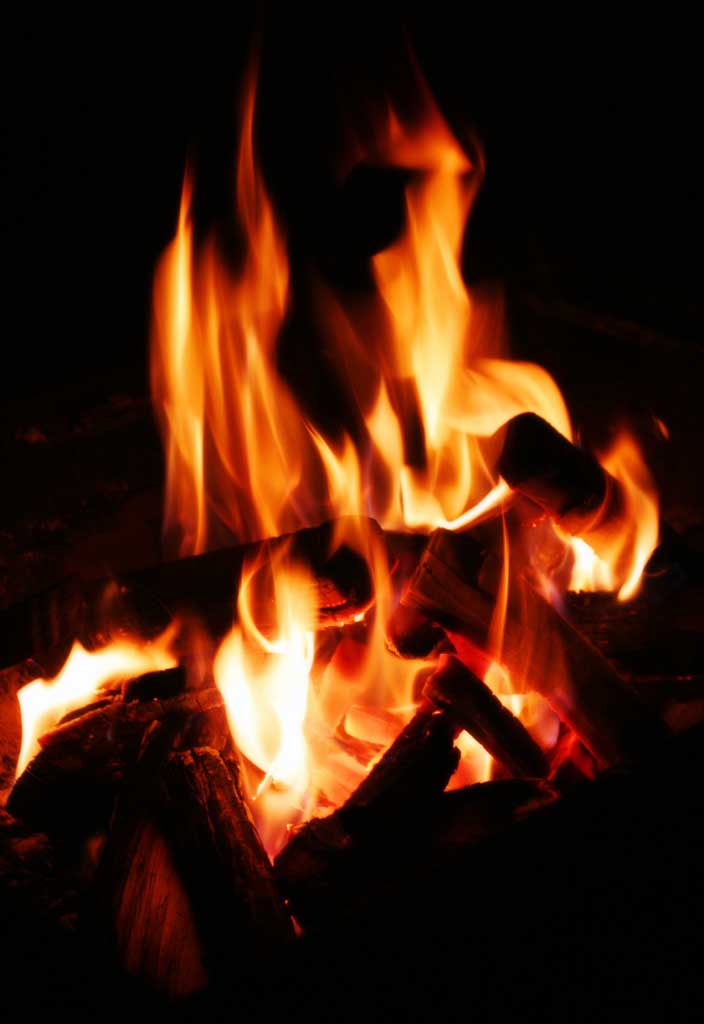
(591,132)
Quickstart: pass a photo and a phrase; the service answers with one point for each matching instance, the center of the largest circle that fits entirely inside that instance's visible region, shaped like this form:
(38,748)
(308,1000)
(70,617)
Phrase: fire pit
(414,692)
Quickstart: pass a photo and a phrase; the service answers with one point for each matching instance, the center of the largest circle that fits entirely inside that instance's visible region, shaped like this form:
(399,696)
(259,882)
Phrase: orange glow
(44,702)
(422,365)
(263,673)
(613,552)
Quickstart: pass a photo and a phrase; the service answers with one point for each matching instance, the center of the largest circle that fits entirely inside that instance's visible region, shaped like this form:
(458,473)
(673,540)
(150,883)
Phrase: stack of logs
(182,876)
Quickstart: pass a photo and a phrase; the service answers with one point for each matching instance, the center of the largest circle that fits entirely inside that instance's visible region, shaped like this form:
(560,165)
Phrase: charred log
(588,695)
(70,784)
(316,871)
(481,713)
(145,602)
(185,885)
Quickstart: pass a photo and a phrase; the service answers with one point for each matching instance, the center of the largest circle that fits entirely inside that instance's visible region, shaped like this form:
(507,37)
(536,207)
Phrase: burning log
(71,782)
(564,481)
(184,881)
(476,709)
(145,602)
(589,696)
(317,865)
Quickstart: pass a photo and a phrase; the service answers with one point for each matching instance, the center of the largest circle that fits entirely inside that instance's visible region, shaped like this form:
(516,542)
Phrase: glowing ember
(44,702)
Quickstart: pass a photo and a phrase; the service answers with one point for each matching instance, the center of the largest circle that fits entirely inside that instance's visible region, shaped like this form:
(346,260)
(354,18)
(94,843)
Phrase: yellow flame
(263,672)
(44,702)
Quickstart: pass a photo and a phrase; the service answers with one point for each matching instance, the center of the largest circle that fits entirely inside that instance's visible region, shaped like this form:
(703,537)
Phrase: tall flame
(423,366)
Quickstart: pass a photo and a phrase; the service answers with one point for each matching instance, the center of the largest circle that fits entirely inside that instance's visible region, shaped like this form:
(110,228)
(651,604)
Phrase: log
(481,713)
(70,785)
(564,481)
(326,855)
(205,586)
(586,501)
(586,693)
(185,884)
(334,880)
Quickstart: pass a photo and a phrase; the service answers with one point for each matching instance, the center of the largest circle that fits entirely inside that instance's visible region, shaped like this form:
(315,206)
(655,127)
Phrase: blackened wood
(484,717)
(182,830)
(69,786)
(418,765)
(320,867)
(145,602)
(139,910)
(589,696)
(542,464)
(221,859)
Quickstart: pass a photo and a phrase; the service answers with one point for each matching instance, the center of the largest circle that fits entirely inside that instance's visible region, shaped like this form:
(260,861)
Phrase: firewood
(563,480)
(184,882)
(586,501)
(205,586)
(604,711)
(476,709)
(320,859)
(70,783)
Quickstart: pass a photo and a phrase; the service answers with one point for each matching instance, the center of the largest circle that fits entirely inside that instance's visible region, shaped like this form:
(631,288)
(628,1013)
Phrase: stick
(586,693)
(477,710)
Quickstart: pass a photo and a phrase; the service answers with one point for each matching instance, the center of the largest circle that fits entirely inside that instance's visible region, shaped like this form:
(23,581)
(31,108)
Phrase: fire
(263,673)
(424,367)
(628,534)
(44,702)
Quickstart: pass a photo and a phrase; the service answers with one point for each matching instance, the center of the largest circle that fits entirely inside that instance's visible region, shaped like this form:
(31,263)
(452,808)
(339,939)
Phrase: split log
(185,885)
(70,784)
(328,855)
(205,586)
(476,709)
(588,695)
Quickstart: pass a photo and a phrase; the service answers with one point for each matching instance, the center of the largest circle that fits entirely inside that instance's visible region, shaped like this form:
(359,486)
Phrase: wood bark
(70,784)
(184,886)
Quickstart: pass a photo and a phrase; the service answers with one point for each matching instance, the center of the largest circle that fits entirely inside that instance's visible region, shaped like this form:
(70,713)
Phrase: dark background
(591,132)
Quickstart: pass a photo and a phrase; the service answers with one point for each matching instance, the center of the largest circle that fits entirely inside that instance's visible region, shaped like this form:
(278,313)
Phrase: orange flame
(44,702)
(627,537)
(264,677)
(424,367)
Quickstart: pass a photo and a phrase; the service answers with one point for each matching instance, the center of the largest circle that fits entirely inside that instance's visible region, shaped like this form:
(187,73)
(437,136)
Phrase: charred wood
(327,854)
(70,784)
(586,693)
(477,710)
(185,884)
(145,602)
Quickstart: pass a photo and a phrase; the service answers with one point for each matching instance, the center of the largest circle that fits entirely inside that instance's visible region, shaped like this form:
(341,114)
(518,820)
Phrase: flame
(43,703)
(423,365)
(627,538)
(263,673)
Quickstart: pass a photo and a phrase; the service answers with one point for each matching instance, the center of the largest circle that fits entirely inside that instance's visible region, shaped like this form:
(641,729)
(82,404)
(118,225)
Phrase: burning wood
(611,507)
(477,710)
(604,711)
(71,782)
(394,796)
(183,832)
(144,603)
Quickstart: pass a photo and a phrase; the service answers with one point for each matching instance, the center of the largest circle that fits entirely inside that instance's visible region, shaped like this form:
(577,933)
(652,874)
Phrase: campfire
(373,657)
